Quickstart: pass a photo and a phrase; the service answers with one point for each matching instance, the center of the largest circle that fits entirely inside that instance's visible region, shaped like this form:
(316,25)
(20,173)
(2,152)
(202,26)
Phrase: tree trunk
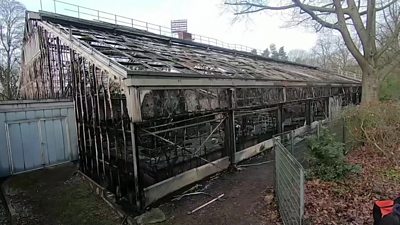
(370,86)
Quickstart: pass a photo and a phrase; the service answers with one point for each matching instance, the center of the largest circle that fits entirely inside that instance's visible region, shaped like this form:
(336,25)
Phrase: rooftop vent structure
(180,27)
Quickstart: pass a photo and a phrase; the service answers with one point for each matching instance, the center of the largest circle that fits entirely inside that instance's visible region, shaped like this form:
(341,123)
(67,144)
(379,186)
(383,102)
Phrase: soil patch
(4,216)
(56,196)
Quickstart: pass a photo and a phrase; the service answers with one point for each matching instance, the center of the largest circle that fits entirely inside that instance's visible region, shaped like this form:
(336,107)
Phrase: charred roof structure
(156,113)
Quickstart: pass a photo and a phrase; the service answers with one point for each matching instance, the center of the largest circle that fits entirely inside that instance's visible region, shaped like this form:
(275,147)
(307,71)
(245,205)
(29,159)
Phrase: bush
(389,88)
(327,158)
(376,125)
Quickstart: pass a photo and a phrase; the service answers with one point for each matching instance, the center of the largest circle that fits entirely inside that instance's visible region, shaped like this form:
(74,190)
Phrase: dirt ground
(247,194)
(56,196)
(350,201)
(4,219)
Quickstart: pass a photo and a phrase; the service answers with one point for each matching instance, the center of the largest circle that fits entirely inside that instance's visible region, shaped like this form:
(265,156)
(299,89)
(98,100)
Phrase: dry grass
(376,125)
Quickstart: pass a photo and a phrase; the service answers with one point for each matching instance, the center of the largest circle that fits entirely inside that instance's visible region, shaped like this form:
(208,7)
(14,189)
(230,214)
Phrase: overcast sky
(205,17)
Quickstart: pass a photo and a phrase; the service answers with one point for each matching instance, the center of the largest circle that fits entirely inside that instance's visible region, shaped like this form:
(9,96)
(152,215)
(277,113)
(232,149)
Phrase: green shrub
(327,158)
(389,88)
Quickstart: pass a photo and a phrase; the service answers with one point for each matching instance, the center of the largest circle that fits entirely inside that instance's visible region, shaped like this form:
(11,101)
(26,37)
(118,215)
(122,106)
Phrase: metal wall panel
(4,159)
(25,146)
(36,134)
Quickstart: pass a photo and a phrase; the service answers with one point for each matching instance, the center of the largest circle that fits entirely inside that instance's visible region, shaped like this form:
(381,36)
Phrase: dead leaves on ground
(351,201)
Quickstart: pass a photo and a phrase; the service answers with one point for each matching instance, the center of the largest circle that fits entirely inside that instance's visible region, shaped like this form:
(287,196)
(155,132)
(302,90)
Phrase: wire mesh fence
(289,185)
(291,160)
(297,142)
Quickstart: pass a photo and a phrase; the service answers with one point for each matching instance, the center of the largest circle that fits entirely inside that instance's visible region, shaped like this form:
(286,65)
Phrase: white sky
(205,17)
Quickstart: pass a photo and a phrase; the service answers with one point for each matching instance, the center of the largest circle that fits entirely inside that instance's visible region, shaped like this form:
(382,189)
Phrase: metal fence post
(292,141)
(344,132)
(301,188)
(276,165)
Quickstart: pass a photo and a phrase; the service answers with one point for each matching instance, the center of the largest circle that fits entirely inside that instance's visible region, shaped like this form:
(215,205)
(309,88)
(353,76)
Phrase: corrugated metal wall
(36,134)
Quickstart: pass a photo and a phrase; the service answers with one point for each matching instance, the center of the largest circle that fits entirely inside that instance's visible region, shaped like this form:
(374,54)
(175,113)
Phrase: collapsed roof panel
(142,51)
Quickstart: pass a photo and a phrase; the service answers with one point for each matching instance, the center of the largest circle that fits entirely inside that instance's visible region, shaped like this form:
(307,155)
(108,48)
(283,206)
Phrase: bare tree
(331,53)
(300,56)
(355,21)
(12,14)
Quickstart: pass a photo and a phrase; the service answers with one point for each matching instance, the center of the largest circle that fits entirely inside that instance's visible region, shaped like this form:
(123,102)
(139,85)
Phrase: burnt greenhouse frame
(145,129)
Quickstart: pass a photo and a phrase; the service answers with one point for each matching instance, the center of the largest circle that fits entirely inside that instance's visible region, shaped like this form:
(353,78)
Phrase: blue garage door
(36,144)
(35,134)
(25,146)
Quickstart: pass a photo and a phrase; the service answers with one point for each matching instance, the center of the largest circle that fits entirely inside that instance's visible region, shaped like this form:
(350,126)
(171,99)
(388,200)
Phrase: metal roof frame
(148,60)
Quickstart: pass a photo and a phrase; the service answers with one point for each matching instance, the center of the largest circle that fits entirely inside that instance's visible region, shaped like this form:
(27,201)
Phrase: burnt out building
(156,113)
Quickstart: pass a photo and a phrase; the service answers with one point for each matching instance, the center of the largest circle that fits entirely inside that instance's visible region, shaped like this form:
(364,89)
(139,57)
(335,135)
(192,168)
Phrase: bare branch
(346,34)
(260,6)
(358,23)
(384,70)
(387,44)
(312,14)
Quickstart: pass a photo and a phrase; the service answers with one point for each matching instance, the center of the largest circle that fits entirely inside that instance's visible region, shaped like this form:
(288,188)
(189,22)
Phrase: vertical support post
(133,104)
(308,112)
(55,7)
(326,105)
(230,140)
(60,66)
(280,119)
(135,162)
(135,115)
(284,94)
